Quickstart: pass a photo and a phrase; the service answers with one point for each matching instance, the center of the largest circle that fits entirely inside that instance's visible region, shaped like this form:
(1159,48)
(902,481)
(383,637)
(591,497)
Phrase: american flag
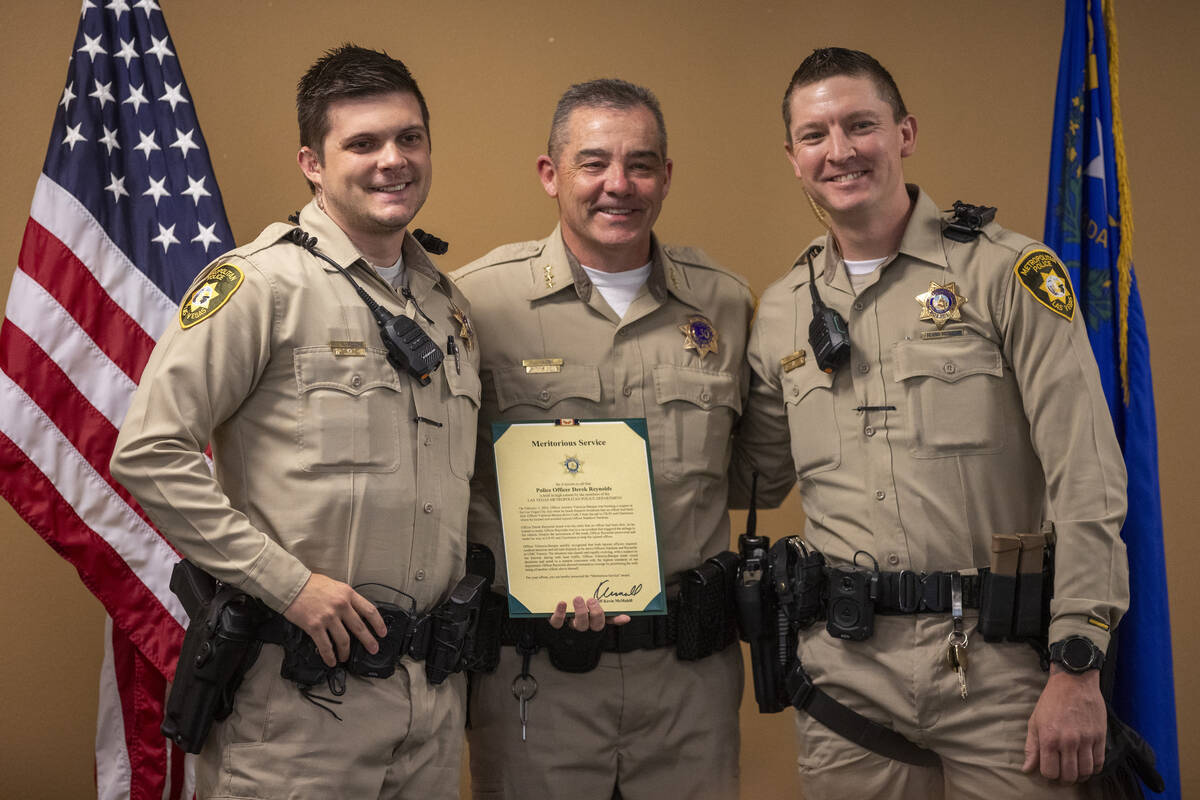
(125,213)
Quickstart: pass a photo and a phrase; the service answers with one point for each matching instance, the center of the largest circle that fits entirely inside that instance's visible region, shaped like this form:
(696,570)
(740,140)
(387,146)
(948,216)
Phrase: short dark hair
(829,62)
(348,71)
(603,93)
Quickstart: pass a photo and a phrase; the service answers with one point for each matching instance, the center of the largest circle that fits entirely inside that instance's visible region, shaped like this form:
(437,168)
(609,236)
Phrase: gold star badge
(466,330)
(699,335)
(941,303)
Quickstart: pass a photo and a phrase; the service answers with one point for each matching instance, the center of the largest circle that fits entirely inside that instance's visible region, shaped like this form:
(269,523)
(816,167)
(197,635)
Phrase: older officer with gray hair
(601,320)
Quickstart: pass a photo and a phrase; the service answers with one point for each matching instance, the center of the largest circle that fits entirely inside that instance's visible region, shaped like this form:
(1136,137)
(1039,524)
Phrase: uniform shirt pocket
(696,410)
(812,423)
(956,395)
(348,416)
(571,392)
(463,416)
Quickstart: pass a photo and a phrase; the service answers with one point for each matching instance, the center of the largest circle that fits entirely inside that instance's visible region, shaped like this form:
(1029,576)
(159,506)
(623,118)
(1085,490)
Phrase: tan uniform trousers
(899,677)
(398,738)
(666,728)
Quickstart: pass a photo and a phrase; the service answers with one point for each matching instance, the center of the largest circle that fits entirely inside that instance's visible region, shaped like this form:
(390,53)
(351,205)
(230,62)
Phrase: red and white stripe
(79,326)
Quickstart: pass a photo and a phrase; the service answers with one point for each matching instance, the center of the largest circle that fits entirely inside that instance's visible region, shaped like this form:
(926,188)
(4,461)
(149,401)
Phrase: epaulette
(968,221)
(690,255)
(505,253)
(695,257)
(809,254)
(516,251)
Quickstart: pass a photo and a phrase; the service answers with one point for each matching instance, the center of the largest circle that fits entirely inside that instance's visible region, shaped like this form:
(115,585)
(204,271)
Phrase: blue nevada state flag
(1089,223)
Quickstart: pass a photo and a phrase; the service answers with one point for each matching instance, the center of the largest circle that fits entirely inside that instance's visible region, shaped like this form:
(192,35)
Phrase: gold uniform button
(428,508)
(880,494)
(949,368)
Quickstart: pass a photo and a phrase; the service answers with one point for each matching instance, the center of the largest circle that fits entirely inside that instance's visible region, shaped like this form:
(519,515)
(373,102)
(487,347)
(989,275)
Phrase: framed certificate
(577,510)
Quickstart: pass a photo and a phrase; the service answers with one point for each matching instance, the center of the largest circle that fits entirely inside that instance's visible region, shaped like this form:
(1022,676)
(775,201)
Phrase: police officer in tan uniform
(970,405)
(601,320)
(331,469)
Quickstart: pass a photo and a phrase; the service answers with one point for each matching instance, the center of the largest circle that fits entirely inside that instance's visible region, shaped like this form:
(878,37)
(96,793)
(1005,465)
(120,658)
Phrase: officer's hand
(329,611)
(589,615)
(1066,731)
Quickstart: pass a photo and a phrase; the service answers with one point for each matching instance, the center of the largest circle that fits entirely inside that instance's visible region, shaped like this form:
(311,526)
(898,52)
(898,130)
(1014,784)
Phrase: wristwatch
(1077,654)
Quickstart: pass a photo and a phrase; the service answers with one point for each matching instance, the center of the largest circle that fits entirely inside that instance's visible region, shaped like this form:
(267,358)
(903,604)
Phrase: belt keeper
(418,635)
(908,598)
(934,594)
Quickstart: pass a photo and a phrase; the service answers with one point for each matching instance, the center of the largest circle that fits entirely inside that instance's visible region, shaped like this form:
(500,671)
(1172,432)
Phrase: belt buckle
(908,596)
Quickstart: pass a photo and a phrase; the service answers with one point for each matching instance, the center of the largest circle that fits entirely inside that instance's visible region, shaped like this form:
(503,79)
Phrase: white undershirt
(619,288)
(393,274)
(860,271)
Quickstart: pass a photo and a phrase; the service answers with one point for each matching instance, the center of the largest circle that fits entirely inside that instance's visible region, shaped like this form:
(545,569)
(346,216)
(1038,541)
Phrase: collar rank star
(218,286)
(699,335)
(941,303)
(466,330)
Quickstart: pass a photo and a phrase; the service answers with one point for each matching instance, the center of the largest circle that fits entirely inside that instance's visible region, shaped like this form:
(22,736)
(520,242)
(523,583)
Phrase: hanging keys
(525,686)
(956,651)
(956,658)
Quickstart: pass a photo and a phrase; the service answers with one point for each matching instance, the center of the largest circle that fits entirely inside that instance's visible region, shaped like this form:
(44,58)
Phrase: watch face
(1077,654)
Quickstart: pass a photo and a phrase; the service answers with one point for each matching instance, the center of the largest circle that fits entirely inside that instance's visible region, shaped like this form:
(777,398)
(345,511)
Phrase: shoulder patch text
(212,293)
(1046,279)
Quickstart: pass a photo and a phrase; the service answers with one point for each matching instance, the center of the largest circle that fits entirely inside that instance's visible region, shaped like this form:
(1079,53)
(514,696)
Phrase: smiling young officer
(968,405)
(600,320)
(333,468)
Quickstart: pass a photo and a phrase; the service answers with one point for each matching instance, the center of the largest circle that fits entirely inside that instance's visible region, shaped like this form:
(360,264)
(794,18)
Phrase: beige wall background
(979,77)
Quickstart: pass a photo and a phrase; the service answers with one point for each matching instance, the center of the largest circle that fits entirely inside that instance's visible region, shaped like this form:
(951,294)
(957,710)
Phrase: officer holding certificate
(600,320)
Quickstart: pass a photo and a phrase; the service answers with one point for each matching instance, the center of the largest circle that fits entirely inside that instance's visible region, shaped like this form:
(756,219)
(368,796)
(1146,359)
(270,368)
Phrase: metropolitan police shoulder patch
(1046,279)
(212,293)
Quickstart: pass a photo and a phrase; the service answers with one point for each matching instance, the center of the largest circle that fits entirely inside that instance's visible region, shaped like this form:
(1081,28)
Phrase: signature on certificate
(604,591)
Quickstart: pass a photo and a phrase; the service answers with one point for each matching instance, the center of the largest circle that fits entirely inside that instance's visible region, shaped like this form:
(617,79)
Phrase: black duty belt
(908,592)
(640,633)
(411,635)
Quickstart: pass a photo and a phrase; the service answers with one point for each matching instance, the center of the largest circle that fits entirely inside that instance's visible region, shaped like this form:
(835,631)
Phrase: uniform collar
(922,240)
(333,242)
(556,268)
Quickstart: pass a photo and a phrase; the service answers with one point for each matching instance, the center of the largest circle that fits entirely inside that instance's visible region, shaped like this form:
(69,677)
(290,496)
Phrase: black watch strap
(1077,654)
